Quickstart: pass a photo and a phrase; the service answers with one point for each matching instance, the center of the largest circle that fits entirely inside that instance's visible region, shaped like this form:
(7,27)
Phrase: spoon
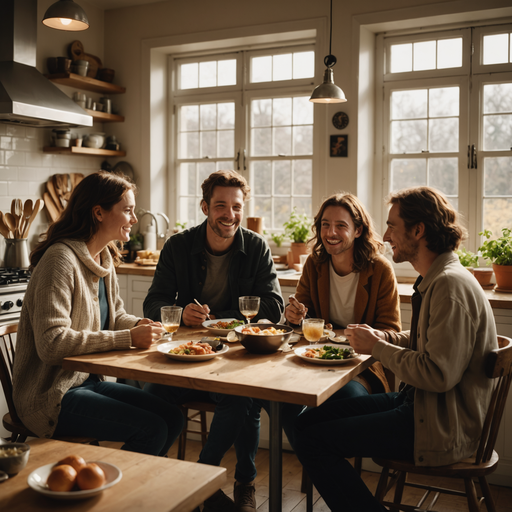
(10,222)
(4,230)
(37,208)
(27,212)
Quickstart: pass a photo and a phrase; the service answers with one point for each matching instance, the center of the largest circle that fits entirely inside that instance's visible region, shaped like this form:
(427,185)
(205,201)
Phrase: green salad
(328,352)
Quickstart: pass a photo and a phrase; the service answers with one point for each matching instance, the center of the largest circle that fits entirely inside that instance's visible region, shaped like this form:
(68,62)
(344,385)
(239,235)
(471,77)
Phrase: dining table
(159,484)
(279,377)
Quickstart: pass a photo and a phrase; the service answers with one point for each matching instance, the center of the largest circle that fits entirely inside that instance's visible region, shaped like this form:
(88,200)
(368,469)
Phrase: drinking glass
(171,318)
(249,306)
(313,329)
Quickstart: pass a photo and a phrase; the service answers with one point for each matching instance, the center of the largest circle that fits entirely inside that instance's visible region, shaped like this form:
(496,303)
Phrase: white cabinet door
(133,290)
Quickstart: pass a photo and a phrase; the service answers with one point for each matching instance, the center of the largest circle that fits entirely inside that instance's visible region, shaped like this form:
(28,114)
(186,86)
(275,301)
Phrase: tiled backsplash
(24,170)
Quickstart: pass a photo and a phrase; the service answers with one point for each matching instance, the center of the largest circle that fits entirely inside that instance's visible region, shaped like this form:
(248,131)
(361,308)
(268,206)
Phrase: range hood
(27,98)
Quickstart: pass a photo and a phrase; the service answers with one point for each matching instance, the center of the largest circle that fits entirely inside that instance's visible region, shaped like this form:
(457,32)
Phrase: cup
(107,105)
(63,64)
(313,329)
(89,103)
(171,318)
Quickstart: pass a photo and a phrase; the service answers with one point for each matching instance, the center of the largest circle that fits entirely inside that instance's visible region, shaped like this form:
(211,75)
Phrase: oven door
(9,318)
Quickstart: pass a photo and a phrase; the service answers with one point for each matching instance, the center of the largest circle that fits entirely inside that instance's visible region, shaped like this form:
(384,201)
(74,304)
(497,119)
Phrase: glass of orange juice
(171,318)
(313,329)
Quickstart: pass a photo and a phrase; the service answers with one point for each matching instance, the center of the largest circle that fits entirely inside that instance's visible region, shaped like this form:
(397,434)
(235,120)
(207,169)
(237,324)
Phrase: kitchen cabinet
(88,84)
(133,290)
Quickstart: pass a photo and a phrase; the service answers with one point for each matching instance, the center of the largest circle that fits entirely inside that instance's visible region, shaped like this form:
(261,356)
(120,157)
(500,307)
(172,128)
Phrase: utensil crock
(16,253)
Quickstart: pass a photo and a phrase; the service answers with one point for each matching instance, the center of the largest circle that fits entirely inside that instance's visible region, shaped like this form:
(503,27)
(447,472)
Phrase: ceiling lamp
(328,91)
(66,15)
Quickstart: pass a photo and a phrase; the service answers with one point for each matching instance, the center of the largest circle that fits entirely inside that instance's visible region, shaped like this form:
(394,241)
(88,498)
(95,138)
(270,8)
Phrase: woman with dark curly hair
(72,306)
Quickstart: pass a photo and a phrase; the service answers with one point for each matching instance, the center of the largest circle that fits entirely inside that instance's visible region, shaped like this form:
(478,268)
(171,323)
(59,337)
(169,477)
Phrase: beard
(408,251)
(222,231)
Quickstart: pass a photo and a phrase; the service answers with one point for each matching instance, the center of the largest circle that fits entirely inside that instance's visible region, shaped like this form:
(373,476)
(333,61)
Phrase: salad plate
(300,351)
(165,348)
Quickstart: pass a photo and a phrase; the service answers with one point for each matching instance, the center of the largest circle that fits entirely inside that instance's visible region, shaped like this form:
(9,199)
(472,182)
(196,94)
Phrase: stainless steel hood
(27,98)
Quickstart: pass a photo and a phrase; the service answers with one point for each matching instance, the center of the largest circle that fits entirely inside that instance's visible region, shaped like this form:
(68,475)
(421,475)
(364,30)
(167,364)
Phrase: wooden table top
(148,483)
(280,377)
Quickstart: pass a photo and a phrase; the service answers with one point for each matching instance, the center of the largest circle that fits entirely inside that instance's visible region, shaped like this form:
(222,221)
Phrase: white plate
(340,340)
(218,332)
(300,352)
(37,480)
(165,347)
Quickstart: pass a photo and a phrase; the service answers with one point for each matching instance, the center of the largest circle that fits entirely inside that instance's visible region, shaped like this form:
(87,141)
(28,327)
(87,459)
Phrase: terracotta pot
(483,275)
(471,270)
(298,249)
(503,275)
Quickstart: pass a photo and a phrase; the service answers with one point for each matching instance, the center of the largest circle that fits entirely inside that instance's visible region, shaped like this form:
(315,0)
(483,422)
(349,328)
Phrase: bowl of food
(263,338)
(13,457)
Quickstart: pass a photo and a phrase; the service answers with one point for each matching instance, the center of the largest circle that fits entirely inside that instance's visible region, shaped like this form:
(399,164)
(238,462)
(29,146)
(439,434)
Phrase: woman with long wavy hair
(72,306)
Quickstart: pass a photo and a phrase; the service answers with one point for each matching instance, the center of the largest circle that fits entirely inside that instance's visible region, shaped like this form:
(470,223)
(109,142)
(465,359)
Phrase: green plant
(278,238)
(497,251)
(467,258)
(136,239)
(181,225)
(297,227)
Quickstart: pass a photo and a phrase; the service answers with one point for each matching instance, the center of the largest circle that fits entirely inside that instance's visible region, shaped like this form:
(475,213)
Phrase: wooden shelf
(103,117)
(86,83)
(74,150)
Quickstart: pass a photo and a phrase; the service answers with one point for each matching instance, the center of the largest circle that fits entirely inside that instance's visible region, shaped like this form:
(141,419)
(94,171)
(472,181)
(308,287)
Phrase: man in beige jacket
(437,416)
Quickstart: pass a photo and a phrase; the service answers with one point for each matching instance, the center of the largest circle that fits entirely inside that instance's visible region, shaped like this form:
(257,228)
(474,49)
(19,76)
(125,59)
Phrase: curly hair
(366,247)
(224,179)
(443,231)
(77,221)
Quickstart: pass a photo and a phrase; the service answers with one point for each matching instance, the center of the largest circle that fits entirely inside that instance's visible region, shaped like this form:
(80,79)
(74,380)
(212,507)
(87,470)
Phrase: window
(448,120)
(248,111)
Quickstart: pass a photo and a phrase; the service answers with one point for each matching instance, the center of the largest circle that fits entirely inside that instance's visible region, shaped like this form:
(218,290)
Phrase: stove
(13,284)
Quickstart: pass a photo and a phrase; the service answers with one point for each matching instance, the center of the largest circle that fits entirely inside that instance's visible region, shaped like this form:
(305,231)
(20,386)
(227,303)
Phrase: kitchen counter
(498,300)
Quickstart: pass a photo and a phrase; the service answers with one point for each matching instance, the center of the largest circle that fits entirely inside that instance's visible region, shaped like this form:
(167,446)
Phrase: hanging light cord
(330,59)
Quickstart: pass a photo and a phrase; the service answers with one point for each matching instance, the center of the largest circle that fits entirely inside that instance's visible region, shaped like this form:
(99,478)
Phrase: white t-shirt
(342,296)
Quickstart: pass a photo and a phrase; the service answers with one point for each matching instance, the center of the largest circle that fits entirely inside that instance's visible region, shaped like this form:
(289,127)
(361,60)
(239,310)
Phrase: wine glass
(249,306)
(171,318)
(313,329)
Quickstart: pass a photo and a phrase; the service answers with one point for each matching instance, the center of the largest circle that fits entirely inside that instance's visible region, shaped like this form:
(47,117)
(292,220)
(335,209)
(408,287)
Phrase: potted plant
(499,253)
(467,258)
(297,229)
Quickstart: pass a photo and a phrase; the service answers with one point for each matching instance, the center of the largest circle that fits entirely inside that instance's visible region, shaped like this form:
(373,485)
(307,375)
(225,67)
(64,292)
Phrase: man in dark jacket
(216,263)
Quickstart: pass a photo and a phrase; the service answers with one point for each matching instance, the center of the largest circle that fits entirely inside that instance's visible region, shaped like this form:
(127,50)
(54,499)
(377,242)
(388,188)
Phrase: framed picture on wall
(339,145)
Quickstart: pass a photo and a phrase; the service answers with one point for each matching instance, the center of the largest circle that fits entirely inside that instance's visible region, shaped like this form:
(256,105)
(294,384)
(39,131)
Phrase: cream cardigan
(60,317)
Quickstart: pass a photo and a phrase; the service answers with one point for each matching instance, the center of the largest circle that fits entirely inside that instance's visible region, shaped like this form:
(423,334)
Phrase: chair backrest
(7,345)
(498,366)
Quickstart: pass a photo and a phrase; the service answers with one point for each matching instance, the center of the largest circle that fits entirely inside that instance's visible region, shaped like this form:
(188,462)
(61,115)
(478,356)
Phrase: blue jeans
(290,412)
(380,425)
(236,421)
(109,411)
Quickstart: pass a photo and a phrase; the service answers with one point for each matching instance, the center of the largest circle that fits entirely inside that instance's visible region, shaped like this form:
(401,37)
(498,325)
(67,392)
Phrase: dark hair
(224,179)
(443,231)
(366,247)
(77,221)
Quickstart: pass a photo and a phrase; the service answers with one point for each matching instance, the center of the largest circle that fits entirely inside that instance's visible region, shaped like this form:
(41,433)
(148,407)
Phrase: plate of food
(75,485)
(326,353)
(221,326)
(190,350)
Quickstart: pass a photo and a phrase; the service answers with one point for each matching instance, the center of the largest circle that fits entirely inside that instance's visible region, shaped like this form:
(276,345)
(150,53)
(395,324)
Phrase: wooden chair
(197,416)
(11,420)
(484,462)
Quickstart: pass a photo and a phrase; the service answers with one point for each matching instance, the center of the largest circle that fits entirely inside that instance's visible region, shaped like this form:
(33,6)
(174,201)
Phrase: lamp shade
(66,15)
(328,91)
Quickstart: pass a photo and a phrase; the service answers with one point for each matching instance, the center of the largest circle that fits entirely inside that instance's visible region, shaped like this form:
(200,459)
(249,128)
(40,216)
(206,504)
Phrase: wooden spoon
(37,208)
(10,222)
(27,212)
(53,194)
(3,227)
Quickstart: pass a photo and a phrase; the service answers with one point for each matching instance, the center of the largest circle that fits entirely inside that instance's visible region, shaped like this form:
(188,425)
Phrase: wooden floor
(295,501)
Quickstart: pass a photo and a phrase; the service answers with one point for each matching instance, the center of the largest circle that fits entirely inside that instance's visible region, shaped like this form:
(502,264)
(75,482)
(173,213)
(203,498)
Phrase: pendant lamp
(66,15)
(328,91)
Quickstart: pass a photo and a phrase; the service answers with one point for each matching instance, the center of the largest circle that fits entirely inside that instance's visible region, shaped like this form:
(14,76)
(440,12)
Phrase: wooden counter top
(498,300)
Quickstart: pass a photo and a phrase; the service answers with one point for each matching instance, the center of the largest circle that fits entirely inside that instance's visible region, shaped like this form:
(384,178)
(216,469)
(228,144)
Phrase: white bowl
(94,140)
(62,143)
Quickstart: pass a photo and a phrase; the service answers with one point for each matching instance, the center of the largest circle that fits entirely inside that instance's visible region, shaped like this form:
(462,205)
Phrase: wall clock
(340,120)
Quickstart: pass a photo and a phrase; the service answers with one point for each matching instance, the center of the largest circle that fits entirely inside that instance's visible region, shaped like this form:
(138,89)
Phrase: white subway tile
(7,173)
(5,142)
(24,144)
(16,131)
(14,158)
